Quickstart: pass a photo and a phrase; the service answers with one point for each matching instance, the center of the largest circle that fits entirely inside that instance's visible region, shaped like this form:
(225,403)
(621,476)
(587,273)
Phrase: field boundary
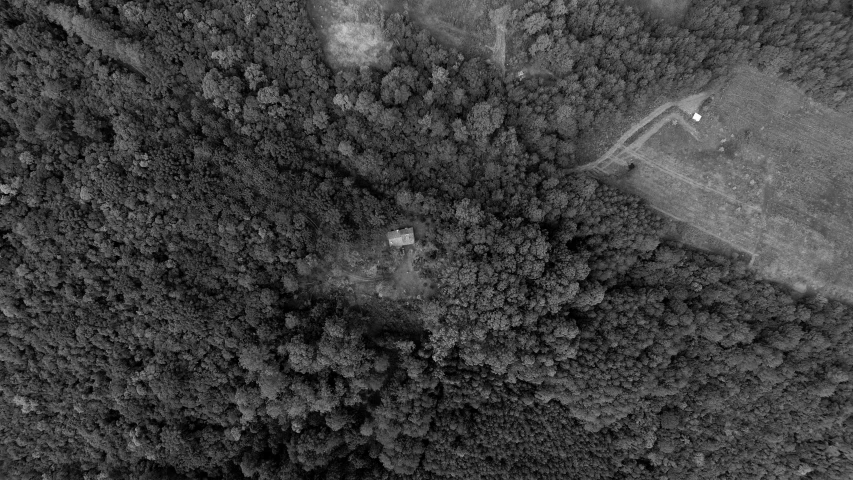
(765,171)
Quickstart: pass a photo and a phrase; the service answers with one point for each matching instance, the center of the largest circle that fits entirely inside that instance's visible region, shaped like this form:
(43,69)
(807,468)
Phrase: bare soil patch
(351,32)
(352,35)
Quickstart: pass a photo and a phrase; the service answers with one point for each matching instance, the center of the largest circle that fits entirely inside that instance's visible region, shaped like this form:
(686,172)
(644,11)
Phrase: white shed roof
(403,236)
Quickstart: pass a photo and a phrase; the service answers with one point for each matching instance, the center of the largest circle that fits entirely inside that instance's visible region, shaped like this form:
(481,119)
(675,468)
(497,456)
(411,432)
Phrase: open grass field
(767,171)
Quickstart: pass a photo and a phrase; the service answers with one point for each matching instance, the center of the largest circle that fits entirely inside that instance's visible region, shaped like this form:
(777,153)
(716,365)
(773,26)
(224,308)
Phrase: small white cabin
(401,237)
(697,117)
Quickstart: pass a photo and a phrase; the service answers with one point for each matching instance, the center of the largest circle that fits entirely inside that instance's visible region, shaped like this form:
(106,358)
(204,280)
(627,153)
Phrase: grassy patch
(767,171)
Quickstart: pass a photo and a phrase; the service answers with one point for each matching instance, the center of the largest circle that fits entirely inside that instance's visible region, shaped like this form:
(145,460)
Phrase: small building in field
(697,117)
(401,237)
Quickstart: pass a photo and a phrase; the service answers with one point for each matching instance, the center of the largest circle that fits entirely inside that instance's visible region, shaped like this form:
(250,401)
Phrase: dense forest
(189,191)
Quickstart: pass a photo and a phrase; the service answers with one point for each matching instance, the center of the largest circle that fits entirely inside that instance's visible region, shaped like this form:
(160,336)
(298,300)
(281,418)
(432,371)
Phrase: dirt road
(688,105)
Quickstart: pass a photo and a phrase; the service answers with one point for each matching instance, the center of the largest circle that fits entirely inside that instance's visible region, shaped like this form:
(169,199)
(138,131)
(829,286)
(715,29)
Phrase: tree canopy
(194,281)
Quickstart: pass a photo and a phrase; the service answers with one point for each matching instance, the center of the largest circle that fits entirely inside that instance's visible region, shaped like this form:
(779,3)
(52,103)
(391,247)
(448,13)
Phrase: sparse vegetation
(762,171)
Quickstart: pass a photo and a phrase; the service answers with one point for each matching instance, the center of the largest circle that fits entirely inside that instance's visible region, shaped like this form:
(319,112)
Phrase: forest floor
(765,172)
(407,281)
(370,268)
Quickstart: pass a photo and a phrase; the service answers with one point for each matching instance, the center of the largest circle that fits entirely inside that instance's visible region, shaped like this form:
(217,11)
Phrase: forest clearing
(372,269)
(767,171)
(352,30)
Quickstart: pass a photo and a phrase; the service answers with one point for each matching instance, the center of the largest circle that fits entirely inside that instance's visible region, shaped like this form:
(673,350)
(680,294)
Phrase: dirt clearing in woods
(352,35)
(371,268)
(351,32)
(405,281)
